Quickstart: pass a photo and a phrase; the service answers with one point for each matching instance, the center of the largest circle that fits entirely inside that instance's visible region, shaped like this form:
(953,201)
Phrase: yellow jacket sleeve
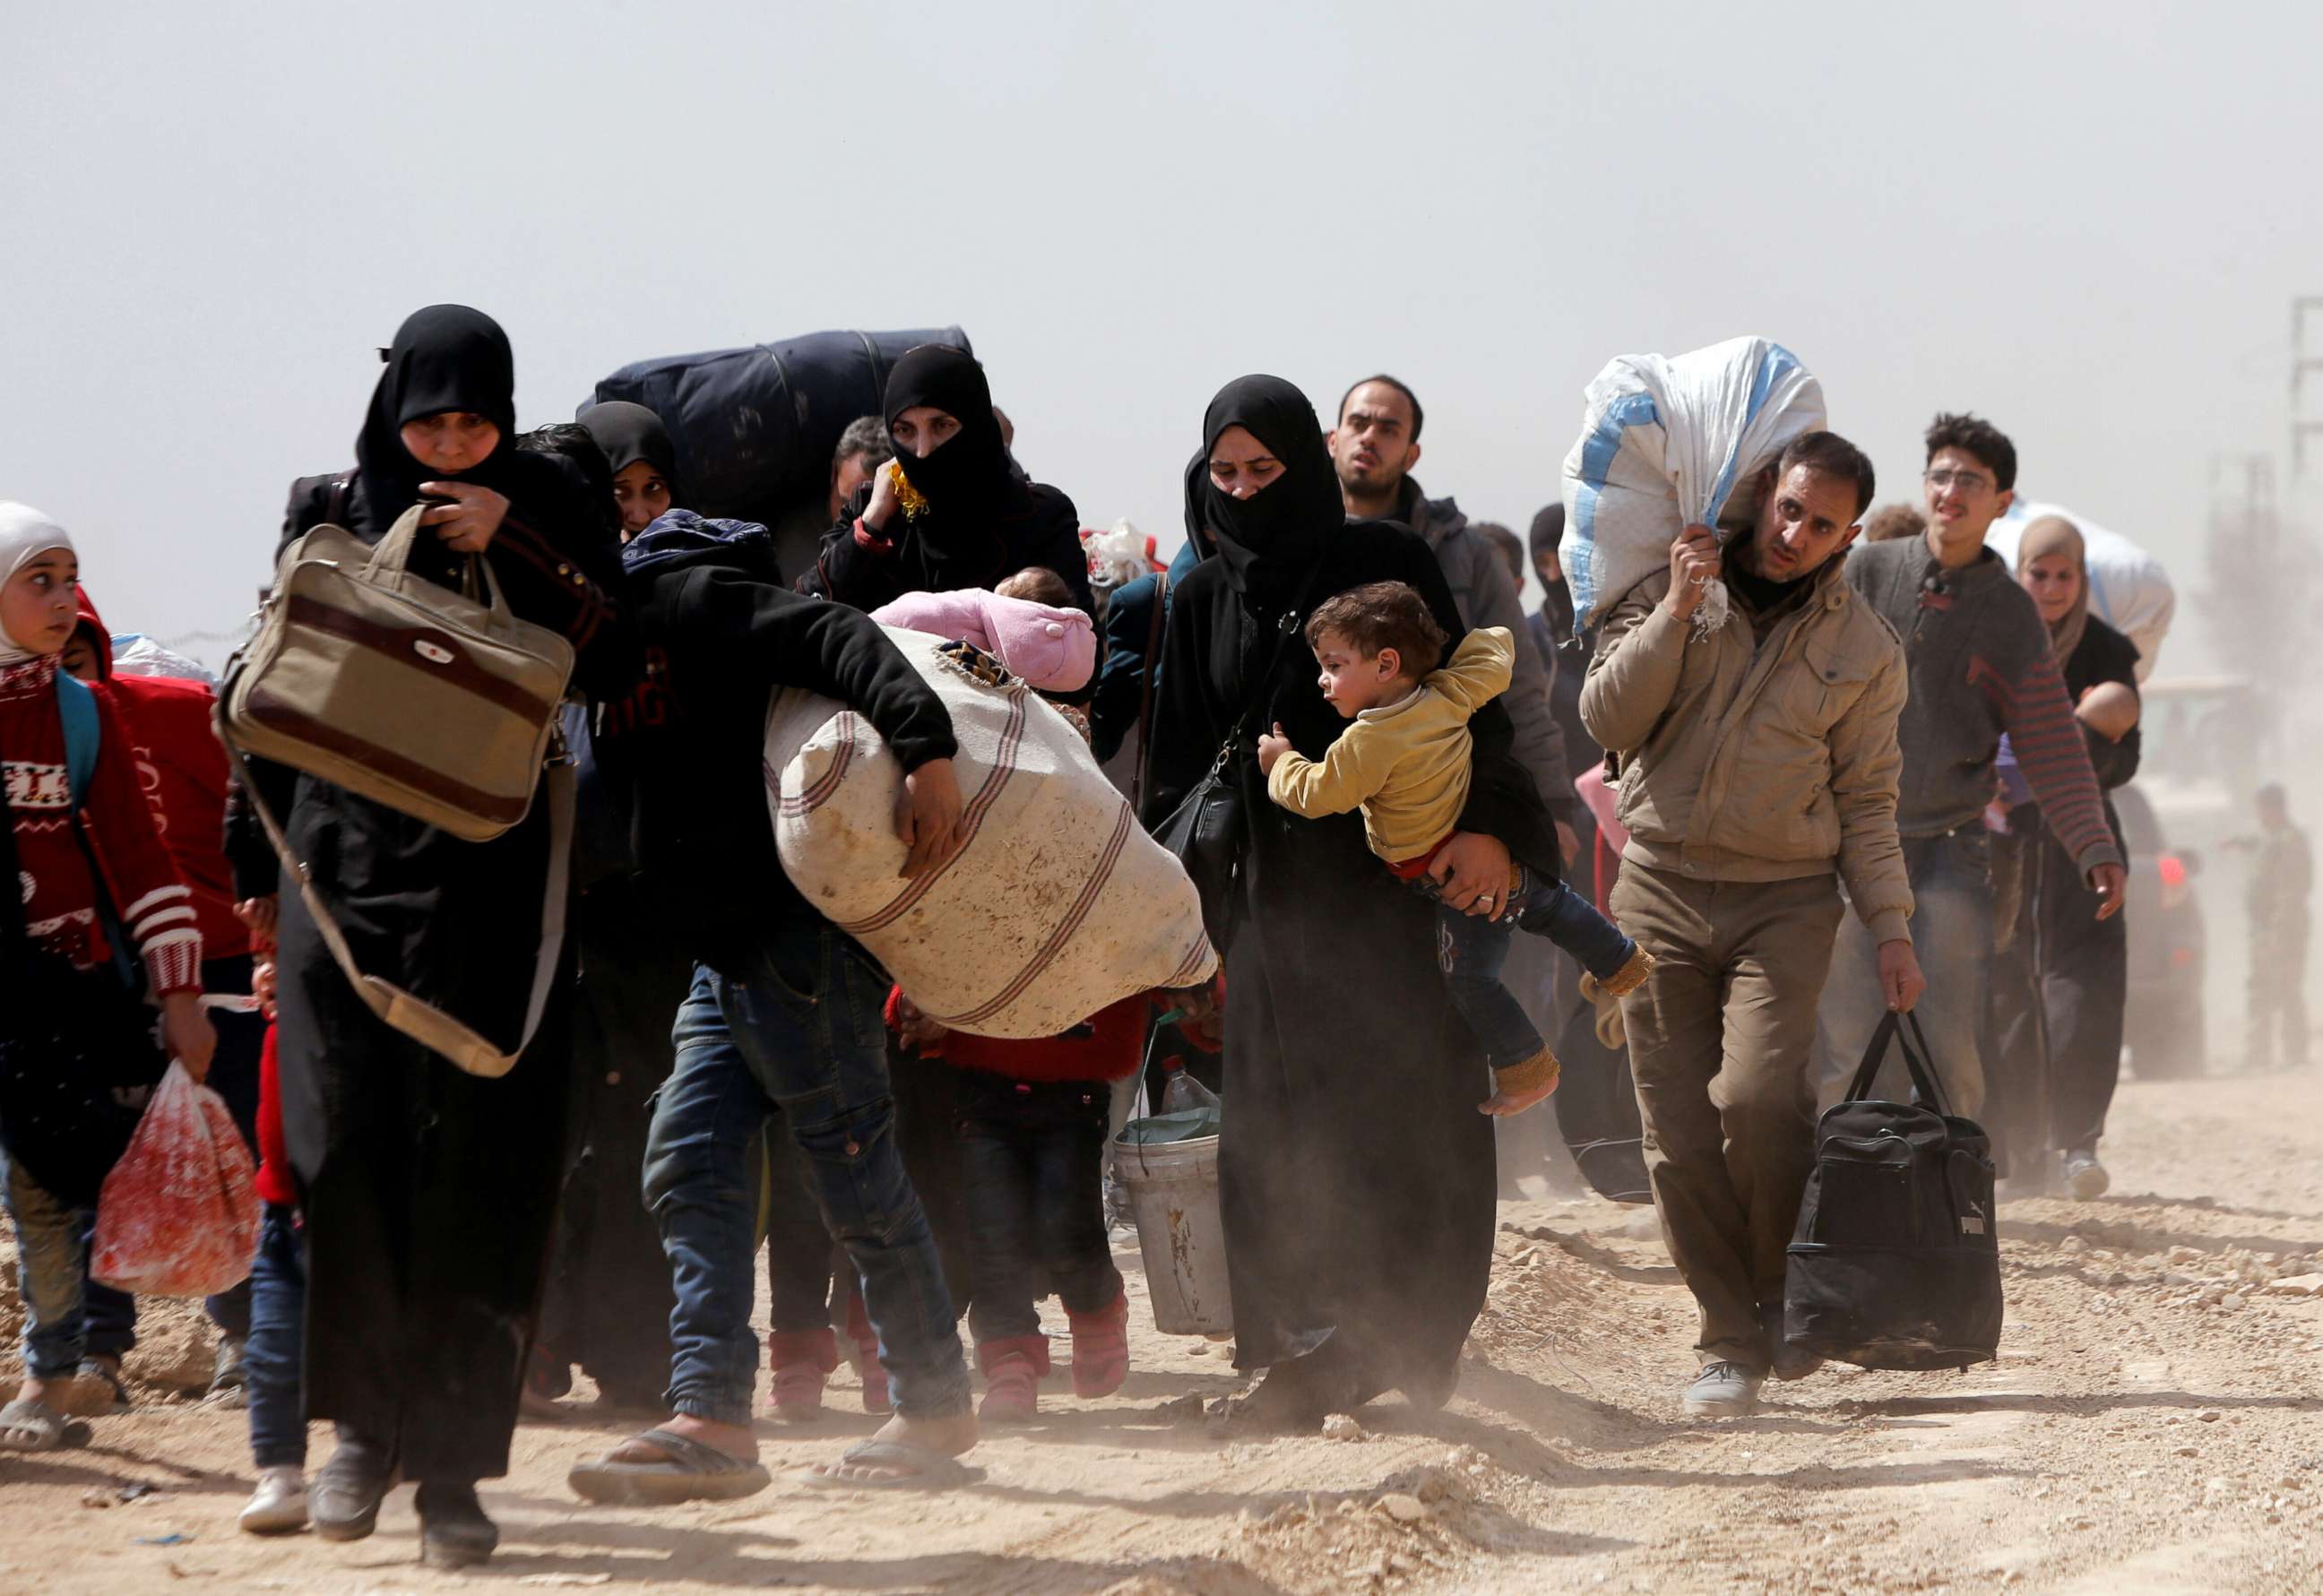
(1479,669)
(1356,767)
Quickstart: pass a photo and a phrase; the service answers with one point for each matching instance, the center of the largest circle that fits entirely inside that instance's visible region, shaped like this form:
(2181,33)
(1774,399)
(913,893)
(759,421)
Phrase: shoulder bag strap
(423,1022)
(335,509)
(1145,686)
(1285,630)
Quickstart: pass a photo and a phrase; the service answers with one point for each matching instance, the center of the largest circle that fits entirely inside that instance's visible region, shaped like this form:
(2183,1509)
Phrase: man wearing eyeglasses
(1980,667)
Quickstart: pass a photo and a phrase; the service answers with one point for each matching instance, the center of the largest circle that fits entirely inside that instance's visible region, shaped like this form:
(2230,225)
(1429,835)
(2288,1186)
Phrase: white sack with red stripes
(1058,906)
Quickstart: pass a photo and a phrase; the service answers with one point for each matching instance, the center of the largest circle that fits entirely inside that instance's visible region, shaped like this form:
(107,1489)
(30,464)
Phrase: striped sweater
(59,893)
(1980,667)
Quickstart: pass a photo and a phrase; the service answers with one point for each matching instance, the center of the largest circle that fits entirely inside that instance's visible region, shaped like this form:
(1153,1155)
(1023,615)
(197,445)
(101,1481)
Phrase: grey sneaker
(228,1383)
(2086,1177)
(1723,1389)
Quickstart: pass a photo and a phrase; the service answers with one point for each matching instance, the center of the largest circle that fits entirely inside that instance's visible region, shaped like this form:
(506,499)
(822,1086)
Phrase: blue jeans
(1470,949)
(51,1272)
(1952,934)
(274,1360)
(1034,1157)
(796,1025)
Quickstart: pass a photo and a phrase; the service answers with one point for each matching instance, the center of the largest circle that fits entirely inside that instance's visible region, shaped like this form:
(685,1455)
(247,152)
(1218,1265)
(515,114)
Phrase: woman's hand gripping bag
(178,1215)
(1668,443)
(1058,906)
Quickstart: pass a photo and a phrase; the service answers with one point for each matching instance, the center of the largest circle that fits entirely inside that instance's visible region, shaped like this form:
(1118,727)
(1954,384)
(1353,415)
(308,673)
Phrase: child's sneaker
(278,1505)
(1100,1348)
(1630,976)
(803,1361)
(1012,1367)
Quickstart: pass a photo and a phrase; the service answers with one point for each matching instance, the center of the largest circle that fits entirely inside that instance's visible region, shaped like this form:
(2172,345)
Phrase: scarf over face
(630,433)
(1272,539)
(25,534)
(966,478)
(2055,535)
(446,357)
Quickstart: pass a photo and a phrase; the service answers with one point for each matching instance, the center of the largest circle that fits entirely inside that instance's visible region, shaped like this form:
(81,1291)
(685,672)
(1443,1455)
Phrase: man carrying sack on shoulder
(1758,766)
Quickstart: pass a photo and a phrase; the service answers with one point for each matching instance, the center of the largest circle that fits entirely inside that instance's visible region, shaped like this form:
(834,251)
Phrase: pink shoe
(802,1361)
(1013,1367)
(1100,1348)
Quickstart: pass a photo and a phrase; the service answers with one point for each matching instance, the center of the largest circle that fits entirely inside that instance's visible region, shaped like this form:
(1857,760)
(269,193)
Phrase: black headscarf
(969,477)
(1272,539)
(630,433)
(1556,597)
(446,357)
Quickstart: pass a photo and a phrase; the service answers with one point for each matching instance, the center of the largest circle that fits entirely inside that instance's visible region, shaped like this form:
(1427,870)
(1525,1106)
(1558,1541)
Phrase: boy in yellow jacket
(1406,764)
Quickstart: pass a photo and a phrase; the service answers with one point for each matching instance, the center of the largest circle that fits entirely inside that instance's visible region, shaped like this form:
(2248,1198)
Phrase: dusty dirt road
(2154,1424)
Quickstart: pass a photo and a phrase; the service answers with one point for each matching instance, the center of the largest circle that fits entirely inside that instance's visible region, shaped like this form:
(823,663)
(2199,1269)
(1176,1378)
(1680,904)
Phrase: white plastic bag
(178,1215)
(1060,904)
(2129,590)
(137,654)
(1671,442)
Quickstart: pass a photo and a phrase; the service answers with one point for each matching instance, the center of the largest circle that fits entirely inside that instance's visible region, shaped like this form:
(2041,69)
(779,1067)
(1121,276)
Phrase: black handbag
(1208,829)
(1896,1262)
(77,1055)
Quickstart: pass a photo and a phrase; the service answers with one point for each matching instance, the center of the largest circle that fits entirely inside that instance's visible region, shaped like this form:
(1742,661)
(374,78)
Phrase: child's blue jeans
(274,1360)
(52,1263)
(1470,949)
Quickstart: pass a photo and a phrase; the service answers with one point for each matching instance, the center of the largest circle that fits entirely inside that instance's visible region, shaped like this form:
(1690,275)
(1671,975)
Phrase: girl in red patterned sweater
(59,899)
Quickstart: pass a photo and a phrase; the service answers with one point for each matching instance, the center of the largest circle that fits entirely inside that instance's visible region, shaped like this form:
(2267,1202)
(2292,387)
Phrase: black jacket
(1047,533)
(721,635)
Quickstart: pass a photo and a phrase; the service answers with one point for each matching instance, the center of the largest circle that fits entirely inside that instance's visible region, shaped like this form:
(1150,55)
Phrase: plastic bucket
(1173,1196)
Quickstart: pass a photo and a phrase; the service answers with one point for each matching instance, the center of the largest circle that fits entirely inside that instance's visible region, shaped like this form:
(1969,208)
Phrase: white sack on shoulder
(1060,904)
(1671,442)
(2129,590)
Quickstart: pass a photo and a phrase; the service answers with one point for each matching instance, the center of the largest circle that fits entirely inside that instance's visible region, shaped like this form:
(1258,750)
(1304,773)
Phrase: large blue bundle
(754,429)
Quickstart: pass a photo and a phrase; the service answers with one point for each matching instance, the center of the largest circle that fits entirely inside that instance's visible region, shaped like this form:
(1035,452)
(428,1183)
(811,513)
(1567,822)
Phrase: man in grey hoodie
(1373,447)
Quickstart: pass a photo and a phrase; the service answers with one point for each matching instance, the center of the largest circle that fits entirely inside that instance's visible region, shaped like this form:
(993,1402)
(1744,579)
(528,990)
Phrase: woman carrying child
(82,844)
(1356,1175)
(1404,762)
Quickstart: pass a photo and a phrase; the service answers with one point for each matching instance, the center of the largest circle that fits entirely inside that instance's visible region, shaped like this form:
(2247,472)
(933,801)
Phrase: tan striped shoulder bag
(441,705)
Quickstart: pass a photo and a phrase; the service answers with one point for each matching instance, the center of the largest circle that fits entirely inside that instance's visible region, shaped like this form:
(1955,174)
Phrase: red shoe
(1013,1367)
(803,1361)
(1100,1348)
(876,1399)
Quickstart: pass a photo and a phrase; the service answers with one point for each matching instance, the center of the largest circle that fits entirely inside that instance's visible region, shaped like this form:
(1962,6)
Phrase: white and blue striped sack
(1668,443)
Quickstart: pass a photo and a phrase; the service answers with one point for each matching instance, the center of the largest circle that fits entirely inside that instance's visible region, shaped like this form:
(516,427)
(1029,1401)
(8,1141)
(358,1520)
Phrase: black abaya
(428,1193)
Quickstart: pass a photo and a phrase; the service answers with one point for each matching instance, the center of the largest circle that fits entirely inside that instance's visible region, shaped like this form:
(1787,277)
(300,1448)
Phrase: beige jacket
(1744,760)
(1405,765)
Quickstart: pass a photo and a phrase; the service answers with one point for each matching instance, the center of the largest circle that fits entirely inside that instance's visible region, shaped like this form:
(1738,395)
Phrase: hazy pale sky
(2083,220)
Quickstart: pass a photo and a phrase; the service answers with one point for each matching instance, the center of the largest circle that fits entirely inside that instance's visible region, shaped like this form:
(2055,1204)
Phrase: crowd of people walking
(1882,787)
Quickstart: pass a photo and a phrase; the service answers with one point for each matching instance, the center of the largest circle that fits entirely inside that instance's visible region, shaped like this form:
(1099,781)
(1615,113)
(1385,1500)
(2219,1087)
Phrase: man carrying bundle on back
(785,1011)
(1757,767)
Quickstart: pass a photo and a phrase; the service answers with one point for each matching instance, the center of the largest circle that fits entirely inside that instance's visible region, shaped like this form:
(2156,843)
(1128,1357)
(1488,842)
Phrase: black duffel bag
(1895,1263)
(754,429)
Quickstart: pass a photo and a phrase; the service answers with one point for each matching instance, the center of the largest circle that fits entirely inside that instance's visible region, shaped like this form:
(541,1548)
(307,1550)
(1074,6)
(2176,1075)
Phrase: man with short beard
(1373,448)
(1757,768)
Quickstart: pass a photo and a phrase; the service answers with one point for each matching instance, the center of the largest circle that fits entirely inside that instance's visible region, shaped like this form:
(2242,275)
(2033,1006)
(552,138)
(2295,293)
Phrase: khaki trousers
(1721,1040)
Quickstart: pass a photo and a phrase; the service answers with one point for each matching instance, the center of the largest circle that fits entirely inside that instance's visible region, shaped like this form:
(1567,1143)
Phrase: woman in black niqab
(428,1192)
(1356,1175)
(968,519)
